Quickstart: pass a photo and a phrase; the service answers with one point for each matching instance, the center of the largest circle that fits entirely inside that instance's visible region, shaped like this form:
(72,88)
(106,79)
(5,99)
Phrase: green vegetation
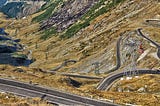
(49,10)
(89,16)
(48,33)
(74,29)
(93,13)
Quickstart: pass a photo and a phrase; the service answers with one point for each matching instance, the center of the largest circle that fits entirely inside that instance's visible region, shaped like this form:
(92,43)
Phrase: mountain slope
(92,44)
(19,9)
(2,2)
(99,36)
(71,16)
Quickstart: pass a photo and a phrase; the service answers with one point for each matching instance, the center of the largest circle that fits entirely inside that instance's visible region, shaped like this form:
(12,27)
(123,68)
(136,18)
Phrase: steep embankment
(89,45)
(11,52)
(96,42)
(19,9)
(67,17)
(96,10)
(2,2)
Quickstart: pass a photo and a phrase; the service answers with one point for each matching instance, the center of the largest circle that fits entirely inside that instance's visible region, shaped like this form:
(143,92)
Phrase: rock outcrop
(21,9)
(68,14)
(8,51)
(2,2)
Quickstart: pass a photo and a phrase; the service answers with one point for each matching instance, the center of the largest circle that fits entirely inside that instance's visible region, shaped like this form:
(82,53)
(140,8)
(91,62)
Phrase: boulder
(9,46)
(142,89)
(14,59)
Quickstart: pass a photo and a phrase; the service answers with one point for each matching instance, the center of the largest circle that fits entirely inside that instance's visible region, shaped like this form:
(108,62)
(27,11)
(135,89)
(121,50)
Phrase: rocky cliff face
(9,49)
(30,8)
(94,47)
(21,8)
(67,14)
(2,2)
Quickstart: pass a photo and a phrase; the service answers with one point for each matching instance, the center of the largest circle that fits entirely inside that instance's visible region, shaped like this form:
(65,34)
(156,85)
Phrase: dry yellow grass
(149,82)
(12,100)
(88,86)
(97,41)
(86,47)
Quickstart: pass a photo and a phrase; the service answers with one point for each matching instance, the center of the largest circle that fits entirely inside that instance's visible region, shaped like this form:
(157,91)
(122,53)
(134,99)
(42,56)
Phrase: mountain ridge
(21,8)
(93,47)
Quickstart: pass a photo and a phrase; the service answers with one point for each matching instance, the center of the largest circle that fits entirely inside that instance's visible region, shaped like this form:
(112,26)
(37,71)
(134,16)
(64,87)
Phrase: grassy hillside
(100,35)
(48,9)
(10,100)
(101,7)
(94,40)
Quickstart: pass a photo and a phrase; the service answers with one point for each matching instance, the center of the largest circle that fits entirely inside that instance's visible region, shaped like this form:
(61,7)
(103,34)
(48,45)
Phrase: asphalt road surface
(53,96)
(110,79)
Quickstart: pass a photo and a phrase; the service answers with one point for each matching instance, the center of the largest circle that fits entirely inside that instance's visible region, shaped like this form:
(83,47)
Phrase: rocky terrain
(100,36)
(87,32)
(21,8)
(67,14)
(9,49)
(2,2)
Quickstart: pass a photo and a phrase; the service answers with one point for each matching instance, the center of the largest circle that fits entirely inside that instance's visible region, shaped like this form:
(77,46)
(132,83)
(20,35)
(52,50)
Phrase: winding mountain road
(81,76)
(118,64)
(106,82)
(110,79)
(118,58)
(54,71)
(139,32)
(63,64)
(53,96)
(59,97)
(153,22)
